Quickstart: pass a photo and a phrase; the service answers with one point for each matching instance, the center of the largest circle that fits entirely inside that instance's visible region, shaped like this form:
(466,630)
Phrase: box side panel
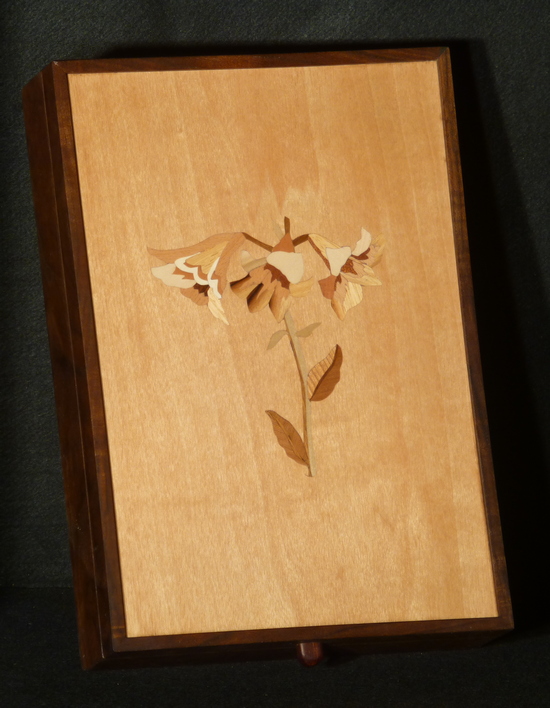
(46,198)
(335,642)
(471,340)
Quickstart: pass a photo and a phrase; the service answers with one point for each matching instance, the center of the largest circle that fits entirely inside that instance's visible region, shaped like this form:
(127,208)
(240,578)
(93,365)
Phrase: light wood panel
(218,529)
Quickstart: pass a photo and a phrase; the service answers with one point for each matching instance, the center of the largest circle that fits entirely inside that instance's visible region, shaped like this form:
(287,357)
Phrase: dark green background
(500,62)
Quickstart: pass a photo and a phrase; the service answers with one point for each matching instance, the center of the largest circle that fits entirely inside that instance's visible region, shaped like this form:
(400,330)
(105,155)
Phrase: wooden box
(294,455)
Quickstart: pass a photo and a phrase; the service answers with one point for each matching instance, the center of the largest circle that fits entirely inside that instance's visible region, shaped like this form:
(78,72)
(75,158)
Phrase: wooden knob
(309,653)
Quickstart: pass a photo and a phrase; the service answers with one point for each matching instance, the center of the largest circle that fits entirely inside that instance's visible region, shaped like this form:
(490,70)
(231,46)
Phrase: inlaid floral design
(200,273)
(273,280)
(350,270)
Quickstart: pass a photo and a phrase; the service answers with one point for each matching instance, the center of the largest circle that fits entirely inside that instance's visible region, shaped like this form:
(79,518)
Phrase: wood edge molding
(269,644)
(239,61)
(471,339)
(327,633)
(77,381)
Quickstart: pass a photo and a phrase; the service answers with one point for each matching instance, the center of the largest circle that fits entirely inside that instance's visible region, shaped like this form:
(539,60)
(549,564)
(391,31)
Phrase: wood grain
(400,532)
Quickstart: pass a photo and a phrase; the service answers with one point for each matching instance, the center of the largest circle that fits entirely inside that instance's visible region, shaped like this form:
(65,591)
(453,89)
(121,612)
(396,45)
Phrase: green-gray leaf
(307,330)
(276,338)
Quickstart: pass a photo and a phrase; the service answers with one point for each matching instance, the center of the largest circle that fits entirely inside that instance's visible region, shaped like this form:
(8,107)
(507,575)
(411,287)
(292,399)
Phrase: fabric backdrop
(500,62)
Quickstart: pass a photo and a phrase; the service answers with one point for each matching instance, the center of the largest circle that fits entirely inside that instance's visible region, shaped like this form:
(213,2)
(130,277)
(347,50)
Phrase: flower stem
(259,243)
(306,403)
(296,241)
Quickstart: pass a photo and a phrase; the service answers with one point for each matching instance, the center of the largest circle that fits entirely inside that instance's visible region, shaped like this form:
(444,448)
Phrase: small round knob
(309,653)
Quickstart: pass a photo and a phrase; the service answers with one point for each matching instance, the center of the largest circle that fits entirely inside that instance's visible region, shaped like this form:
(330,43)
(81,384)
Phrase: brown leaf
(325,375)
(288,438)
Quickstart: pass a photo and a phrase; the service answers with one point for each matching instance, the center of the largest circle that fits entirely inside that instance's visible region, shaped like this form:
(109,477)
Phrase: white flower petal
(291,265)
(180,262)
(213,282)
(337,257)
(194,270)
(166,274)
(213,268)
(215,306)
(363,244)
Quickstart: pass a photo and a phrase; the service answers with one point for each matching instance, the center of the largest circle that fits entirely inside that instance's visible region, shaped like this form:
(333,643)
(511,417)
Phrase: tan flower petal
(198,277)
(374,253)
(365,279)
(280,302)
(291,265)
(363,244)
(208,261)
(198,294)
(170,256)
(261,296)
(357,271)
(354,295)
(346,296)
(220,272)
(338,298)
(337,257)
(205,259)
(249,263)
(244,287)
(376,250)
(301,289)
(320,244)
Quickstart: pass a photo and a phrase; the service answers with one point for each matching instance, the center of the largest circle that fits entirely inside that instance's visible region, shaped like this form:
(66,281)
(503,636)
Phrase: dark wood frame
(79,397)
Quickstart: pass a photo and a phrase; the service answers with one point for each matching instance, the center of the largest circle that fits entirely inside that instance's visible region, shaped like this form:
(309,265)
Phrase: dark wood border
(79,397)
